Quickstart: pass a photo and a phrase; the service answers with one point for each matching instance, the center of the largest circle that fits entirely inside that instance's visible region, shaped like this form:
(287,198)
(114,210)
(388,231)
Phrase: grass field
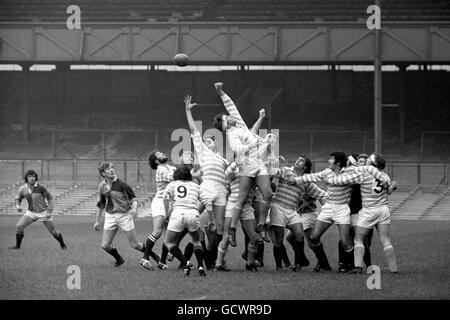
(38,270)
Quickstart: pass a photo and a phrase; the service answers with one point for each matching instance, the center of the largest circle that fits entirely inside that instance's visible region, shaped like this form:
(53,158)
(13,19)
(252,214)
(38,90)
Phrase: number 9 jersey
(184,194)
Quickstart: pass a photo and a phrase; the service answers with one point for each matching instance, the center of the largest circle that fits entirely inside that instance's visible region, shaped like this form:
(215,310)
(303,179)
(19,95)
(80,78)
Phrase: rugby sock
(278,255)
(349,258)
(149,246)
(260,250)
(189,250)
(390,257)
(359,254)
(164,253)
(367,258)
(300,257)
(367,243)
(114,253)
(198,251)
(320,254)
(285,256)
(19,237)
(59,237)
(341,252)
(179,255)
(251,253)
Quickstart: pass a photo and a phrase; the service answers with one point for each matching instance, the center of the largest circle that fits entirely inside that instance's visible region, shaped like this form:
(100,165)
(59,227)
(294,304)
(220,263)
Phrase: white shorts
(157,207)
(247,211)
(212,192)
(41,216)
(335,213)
(181,219)
(369,217)
(253,170)
(308,220)
(123,221)
(354,219)
(282,217)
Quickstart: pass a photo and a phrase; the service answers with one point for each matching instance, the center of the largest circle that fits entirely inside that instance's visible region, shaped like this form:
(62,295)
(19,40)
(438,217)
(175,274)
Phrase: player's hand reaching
(19,209)
(262,113)
(97,226)
(218,86)
(187,102)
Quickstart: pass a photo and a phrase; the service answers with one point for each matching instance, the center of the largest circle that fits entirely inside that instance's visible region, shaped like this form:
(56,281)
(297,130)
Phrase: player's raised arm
(257,124)
(229,105)
(189,105)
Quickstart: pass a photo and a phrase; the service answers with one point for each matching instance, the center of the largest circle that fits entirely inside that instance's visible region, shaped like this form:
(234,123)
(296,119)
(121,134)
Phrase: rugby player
(247,145)
(118,201)
(181,204)
(375,210)
(164,175)
(40,207)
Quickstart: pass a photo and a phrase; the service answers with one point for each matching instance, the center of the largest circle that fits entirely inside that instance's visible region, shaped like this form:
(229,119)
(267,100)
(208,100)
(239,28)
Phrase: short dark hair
(30,172)
(218,121)
(152,160)
(340,158)
(308,163)
(379,162)
(182,172)
(103,166)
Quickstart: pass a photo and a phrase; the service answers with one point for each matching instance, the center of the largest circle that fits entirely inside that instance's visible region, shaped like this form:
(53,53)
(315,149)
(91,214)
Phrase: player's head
(106,170)
(156,158)
(187,157)
(362,159)
(303,163)
(338,158)
(352,159)
(222,122)
(376,160)
(31,176)
(210,143)
(183,173)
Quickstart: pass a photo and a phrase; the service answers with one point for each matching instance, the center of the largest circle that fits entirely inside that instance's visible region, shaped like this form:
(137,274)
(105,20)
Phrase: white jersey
(184,194)
(240,137)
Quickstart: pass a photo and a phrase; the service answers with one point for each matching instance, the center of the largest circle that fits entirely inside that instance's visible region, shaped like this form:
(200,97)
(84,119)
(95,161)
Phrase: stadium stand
(221,10)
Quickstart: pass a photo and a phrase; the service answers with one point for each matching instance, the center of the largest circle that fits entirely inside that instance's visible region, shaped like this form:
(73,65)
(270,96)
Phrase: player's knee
(314,240)
(20,228)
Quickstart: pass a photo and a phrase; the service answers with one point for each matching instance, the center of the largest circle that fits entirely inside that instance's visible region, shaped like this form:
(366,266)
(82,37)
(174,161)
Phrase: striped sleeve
(235,142)
(347,178)
(384,178)
(20,195)
(314,191)
(47,195)
(232,110)
(199,146)
(166,175)
(311,177)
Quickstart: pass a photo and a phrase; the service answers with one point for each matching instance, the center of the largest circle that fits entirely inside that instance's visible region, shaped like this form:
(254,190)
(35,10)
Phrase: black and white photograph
(225,154)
